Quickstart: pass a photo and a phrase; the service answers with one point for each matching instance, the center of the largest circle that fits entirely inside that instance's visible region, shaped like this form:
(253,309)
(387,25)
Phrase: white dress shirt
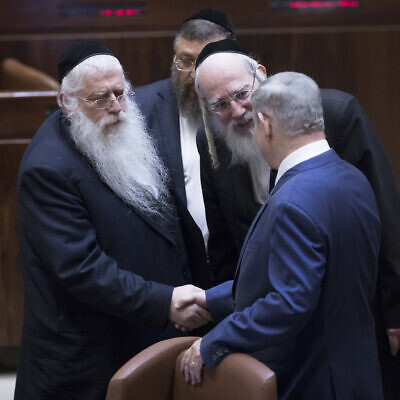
(191,171)
(302,154)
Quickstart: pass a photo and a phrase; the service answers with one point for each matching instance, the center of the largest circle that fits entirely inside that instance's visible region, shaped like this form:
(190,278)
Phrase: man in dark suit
(103,242)
(230,170)
(307,270)
(172,109)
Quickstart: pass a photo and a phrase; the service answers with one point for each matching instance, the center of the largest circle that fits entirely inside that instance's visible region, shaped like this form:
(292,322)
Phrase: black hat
(216,16)
(222,46)
(77,53)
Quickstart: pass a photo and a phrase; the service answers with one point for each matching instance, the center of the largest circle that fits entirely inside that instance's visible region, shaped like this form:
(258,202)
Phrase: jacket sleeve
(57,226)
(356,141)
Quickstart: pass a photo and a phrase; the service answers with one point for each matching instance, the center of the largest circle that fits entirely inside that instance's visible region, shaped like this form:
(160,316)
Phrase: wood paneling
(21,114)
(44,16)
(11,289)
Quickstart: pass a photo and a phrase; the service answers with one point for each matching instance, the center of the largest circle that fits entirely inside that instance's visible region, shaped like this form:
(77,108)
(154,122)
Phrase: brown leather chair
(154,374)
(16,76)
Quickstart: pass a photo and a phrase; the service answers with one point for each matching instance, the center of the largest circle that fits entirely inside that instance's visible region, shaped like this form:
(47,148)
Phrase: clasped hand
(188,309)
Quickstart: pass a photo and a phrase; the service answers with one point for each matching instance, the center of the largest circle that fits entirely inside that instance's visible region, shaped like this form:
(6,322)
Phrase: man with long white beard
(105,247)
(235,184)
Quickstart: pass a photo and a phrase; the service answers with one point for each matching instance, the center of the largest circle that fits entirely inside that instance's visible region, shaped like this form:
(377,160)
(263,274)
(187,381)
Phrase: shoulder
(51,149)
(159,90)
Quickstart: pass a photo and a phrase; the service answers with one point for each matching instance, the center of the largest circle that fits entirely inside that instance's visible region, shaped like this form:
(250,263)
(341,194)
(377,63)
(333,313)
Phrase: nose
(115,107)
(237,109)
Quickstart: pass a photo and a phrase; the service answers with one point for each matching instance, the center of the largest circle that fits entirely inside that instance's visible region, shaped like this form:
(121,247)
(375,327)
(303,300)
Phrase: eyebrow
(219,99)
(104,93)
(187,55)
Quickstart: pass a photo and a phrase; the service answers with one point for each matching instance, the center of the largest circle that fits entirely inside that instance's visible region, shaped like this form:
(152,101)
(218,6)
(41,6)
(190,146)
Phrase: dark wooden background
(355,50)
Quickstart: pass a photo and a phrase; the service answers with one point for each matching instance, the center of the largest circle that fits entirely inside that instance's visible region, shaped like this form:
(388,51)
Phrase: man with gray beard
(226,77)
(173,113)
(105,247)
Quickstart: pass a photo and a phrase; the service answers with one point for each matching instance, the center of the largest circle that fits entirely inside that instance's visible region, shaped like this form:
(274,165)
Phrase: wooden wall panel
(11,288)
(44,16)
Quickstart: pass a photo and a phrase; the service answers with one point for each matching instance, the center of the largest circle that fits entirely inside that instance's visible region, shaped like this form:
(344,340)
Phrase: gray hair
(75,79)
(293,100)
(201,30)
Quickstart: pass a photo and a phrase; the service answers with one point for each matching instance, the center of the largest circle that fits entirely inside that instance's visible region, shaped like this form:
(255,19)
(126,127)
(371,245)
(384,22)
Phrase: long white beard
(243,147)
(124,156)
(244,150)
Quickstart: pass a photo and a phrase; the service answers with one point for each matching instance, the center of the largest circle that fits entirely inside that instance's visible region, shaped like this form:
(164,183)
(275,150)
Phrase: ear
(63,102)
(262,69)
(266,121)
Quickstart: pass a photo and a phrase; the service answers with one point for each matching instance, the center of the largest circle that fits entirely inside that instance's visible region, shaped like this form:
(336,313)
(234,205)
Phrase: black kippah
(77,53)
(216,16)
(222,46)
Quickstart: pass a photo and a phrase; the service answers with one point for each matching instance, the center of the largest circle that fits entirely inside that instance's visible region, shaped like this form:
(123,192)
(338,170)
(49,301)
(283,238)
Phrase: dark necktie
(272,177)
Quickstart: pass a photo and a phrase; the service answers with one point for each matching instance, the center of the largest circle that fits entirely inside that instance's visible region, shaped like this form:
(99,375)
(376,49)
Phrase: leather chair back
(154,374)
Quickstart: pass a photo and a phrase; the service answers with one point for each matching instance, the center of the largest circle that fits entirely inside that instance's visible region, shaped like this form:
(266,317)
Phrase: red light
(105,13)
(119,12)
(323,4)
(352,3)
(299,4)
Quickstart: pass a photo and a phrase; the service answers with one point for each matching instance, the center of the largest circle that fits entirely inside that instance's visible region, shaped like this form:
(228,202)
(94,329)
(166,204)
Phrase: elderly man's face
(227,86)
(99,97)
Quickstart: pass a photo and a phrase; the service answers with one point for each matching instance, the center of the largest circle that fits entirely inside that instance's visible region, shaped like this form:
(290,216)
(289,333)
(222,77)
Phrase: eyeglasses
(105,102)
(184,65)
(240,96)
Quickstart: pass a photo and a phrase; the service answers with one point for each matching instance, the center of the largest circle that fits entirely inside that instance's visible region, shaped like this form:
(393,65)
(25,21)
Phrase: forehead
(220,74)
(191,48)
(101,81)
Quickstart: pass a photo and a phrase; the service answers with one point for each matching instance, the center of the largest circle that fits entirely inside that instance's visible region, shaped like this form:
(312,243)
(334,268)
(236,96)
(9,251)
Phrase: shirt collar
(302,154)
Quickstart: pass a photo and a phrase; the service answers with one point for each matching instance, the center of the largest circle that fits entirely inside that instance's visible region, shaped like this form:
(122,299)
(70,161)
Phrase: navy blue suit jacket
(305,278)
(98,274)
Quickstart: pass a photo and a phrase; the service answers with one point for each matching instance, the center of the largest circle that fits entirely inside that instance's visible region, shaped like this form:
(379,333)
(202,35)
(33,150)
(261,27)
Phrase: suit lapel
(168,121)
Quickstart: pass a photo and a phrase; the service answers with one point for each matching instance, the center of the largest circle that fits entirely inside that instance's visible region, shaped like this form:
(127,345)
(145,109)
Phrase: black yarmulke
(216,16)
(78,52)
(222,46)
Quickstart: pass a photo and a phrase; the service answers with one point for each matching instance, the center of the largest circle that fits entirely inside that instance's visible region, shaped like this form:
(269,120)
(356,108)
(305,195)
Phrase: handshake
(188,308)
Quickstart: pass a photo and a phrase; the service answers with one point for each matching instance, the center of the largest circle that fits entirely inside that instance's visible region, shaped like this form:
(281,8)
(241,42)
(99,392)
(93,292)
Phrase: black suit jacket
(230,206)
(98,274)
(158,103)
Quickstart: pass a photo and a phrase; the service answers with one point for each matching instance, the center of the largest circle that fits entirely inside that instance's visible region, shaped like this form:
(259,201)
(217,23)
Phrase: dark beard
(186,97)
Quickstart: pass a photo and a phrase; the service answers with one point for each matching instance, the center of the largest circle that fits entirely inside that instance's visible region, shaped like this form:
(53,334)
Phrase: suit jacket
(230,205)
(98,274)
(158,103)
(305,278)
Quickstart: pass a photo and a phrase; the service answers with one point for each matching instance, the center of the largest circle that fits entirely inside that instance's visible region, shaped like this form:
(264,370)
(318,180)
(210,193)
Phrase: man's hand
(188,308)
(394,340)
(192,363)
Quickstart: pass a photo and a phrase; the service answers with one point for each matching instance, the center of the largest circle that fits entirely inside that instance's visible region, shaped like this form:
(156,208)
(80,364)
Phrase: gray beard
(186,97)
(243,147)
(124,156)
(244,151)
